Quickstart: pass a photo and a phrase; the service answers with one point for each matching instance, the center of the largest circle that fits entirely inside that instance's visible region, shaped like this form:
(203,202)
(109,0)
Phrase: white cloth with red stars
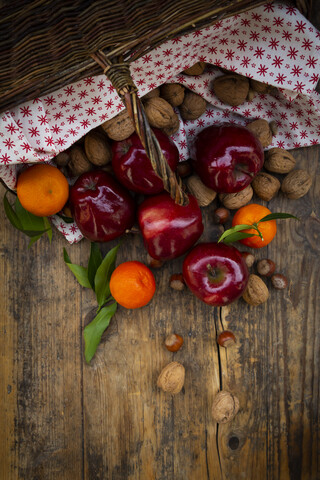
(272,43)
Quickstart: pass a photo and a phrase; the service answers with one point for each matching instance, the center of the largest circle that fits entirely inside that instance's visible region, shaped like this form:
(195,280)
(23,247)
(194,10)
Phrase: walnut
(201,192)
(236,200)
(173,93)
(256,292)
(172,129)
(225,407)
(296,184)
(171,378)
(78,161)
(266,186)
(62,159)
(259,87)
(119,127)
(153,93)
(231,89)
(196,69)
(193,106)
(159,112)
(261,130)
(97,148)
(278,160)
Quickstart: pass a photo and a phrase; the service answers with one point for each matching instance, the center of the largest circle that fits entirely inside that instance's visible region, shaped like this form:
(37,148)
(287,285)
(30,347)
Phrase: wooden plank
(42,358)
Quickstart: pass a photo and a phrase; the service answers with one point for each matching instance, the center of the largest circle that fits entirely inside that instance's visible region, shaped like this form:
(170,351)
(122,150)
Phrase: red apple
(216,273)
(102,209)
(168,229)
(133,168)
(227,157)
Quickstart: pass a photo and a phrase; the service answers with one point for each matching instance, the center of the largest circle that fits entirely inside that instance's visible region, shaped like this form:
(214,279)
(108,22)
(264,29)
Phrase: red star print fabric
(273,43)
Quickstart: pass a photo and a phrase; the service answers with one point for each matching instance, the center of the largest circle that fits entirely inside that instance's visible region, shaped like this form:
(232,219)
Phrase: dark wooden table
(62,419)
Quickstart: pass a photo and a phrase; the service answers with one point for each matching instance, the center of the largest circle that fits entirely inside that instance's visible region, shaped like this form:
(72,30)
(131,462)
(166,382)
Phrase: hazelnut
(196,69)
(236,200)
(200,191)
(279,281)
(256,292)
(296,184)
(171,378)
(231,89)
(153,262)
(278,160)
(221,215)
(159,112)
(266,267)
(266,186)
(177,282)
(184,169)
(248,258)
(261,130)
(173,342)
(173,93)
(226,339)
(193,106)
(225,407)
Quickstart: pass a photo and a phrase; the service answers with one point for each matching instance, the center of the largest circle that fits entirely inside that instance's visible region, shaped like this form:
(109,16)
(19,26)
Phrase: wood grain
(63,419)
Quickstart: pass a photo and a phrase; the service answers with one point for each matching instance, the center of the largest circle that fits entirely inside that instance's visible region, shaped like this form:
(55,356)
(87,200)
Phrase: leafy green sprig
(31,225)
(97,277)
(238,232)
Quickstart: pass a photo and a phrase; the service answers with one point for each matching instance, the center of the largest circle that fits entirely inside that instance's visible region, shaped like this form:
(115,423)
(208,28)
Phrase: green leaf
(34,239)
(29,221)
(94,262)
(47,224)
(102,278)
(81,273)
(94,330)
(65,219)
(11,214)
(275,216)
(234,229)
(234,237)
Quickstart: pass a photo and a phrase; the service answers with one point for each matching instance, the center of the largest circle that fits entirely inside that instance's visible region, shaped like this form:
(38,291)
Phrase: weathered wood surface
(62,419)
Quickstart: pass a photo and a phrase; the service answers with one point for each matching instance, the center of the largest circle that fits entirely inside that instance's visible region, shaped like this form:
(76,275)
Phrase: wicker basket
(47,44)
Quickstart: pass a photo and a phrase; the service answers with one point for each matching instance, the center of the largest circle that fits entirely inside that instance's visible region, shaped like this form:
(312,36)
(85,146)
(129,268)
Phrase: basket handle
(119,75)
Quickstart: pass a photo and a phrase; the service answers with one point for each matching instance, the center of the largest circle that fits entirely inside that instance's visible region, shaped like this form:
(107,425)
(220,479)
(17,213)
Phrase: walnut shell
(266,186)
(231,89)
(171,378)
(193,106)
(153,93)
(259,87)
(200,191)
(172,129)
(256,292)
(236,200)
(62,159)
(120,127)
(159,112)
(97,148)
(173,93)
(225,407)
(296,184)
(79,163)
(279,160)
(261,130)
(196,69)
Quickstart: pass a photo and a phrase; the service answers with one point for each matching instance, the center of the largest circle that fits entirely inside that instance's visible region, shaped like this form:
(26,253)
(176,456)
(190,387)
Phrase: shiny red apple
(216,273)
(101,207)
(168,229)
(133,168)
(228,157)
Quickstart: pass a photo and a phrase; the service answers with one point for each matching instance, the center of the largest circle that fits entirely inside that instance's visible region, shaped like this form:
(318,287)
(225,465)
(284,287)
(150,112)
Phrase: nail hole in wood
(233,443)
